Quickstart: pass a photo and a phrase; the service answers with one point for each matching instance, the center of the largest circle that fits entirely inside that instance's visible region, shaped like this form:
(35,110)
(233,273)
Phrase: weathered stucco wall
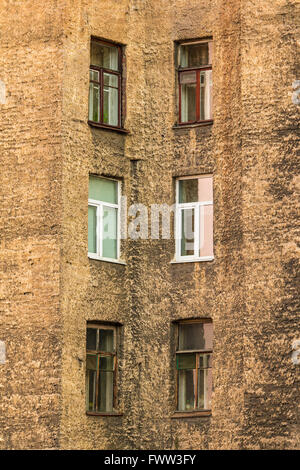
(31,206)
(270,140)
(249,290)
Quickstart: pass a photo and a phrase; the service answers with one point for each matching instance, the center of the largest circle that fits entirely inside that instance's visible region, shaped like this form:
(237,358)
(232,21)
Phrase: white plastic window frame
(178,225)
(99,216)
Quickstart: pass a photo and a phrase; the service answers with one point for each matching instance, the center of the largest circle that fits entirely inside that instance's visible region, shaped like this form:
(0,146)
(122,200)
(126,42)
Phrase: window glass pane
(194,55)
(94,102)
(91,390)
(104,56)
(91,339)
(94,75)
(102,189)
(204,388)
(111,80)
(205,95)
(205,361)
(188,103)
(92,229)
(202,95)
(91,362)
(106,340)
(187,77)
(109,232)
(188,190)
(186,389)
(105,391)
(186,361)
(187,232)
(205,189)
(110,105)
(206,231)
(106,363)
(195,336)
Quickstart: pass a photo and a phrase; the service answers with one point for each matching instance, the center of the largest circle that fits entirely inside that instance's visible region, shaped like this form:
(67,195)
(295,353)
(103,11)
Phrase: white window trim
(197,241)
(99,205)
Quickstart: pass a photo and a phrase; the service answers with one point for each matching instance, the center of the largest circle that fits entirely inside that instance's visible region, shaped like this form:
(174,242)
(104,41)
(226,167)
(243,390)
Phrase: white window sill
(192,260)
(107,260)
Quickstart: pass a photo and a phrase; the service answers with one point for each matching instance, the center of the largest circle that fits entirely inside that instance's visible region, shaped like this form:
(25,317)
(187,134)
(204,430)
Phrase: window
(194,218)
(103,218)
(195,82)
(101,362)
(194,365)
(105,84)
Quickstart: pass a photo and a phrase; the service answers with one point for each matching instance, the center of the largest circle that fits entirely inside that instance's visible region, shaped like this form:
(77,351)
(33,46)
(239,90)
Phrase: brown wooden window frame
(197,411)
(98,353)
(100,83)
(197,70)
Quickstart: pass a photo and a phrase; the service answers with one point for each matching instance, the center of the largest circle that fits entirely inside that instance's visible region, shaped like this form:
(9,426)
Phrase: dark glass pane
(188,190)
(194,55)
(106,363)
(91,362)
(106,340)
(186,361)
(91,390)
(91,339)
(195,336)
(105,391)
(186,390)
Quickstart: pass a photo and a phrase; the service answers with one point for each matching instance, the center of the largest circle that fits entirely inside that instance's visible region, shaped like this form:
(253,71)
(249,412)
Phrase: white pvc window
(194,218)
(104,219)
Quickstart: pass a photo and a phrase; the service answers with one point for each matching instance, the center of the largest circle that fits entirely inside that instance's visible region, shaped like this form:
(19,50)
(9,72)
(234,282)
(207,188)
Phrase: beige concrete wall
(30,224)
(248,290)
(149,293)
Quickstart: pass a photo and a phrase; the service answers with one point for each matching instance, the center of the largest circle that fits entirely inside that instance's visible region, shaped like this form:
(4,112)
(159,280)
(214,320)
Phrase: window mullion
(197,232)
(99,229)
(177,218)
(119,222)
(178,230)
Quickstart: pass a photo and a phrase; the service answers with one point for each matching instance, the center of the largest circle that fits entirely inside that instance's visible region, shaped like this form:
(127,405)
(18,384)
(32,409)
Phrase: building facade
(110,107)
